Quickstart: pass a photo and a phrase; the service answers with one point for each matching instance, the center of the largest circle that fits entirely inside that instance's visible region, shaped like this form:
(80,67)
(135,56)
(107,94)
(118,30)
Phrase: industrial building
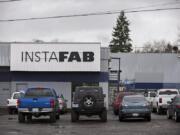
(61,66)
(147,70)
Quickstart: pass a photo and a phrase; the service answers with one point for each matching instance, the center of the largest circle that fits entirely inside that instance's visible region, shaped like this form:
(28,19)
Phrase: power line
(3,1)
(89,14)
(155,5)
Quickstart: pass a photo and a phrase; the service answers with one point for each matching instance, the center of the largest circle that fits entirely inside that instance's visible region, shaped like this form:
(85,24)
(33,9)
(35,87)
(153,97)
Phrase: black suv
(88,100)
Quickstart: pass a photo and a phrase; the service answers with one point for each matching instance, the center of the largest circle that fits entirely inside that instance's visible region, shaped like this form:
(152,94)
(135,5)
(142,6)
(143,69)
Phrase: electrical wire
(89,14)
(155,5)
(3,1)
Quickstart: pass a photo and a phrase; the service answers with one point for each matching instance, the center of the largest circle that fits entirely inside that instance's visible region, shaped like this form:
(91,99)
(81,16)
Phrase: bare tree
(161,46)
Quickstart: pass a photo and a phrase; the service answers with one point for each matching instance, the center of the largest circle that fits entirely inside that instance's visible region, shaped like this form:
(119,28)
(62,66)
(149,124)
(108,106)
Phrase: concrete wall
(5,93)
(105,87)
(4,54)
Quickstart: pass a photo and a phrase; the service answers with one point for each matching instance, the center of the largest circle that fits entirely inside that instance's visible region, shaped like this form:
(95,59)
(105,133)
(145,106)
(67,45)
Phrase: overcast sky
(144,27)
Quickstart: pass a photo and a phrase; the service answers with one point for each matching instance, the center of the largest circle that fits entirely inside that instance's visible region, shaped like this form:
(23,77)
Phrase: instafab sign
(55,57)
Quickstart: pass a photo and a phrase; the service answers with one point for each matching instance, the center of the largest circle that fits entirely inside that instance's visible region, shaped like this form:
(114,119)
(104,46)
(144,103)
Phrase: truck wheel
(103,116)
(74,116)
(154,110)
(29,118)
(52,117)
(176,117)
(21,117)
(57,116)
(158,110)
(168,115)
(10,111)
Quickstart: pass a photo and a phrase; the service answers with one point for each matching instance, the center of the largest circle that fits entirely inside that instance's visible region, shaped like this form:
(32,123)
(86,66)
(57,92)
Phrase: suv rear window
(168,92)
(39,92)
(133,99)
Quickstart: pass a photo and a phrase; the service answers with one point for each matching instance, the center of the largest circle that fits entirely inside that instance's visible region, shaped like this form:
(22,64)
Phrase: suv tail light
(160,100)
(18,102)
(52,103)
(177,106)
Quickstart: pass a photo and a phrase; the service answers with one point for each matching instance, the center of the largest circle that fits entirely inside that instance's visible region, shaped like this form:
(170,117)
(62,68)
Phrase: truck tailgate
(166,98)
(42,102)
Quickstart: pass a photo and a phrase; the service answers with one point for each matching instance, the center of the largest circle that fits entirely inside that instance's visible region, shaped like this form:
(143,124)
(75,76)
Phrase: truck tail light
(177,106)
(160,100)
(18,102)
(52,103)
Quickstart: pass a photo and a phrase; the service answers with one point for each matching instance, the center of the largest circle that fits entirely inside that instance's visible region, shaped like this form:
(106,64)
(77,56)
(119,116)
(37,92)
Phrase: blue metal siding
(156,85)
(60,76)
(5,76)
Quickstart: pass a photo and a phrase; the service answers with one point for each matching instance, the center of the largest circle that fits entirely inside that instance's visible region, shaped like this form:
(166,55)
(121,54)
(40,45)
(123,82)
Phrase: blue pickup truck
(38,102)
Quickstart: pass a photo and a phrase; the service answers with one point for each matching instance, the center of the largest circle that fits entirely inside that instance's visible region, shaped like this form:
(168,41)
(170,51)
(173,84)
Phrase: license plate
(35,110)
(135,114)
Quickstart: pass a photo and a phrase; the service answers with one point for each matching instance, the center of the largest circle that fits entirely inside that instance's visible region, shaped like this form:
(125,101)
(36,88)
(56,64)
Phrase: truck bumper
(35,110)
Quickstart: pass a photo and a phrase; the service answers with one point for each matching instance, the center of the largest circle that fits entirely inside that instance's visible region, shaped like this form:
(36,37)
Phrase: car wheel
(52,117)
(74,116)
(29,118)
(103,116)
(116,112)
(21,117)
(148,118)
(177,119)
(121,118)
(168,115)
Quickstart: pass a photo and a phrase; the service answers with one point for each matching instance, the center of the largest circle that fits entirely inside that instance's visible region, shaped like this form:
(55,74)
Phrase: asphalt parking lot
(89,126)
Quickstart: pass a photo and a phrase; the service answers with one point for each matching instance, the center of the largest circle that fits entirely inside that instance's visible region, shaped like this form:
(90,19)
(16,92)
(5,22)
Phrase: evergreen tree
(121,41)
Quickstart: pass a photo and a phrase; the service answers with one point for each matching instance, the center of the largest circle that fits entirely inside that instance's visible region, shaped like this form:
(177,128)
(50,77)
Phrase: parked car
(162,97)
(135,106)
(88,101)
(12,102)
(62,104)
(173,110)
(150,95)
(117,102)
(37,102)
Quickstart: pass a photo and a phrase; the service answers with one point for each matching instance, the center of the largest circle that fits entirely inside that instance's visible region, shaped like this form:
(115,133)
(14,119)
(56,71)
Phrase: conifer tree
(121,41)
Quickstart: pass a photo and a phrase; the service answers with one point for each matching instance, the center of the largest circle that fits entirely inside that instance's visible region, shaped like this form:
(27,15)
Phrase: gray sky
(144,26)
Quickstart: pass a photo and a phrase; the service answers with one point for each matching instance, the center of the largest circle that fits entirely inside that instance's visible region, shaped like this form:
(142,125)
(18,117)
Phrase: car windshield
(133,99)
(18,95)
(168,92)
(39,92)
